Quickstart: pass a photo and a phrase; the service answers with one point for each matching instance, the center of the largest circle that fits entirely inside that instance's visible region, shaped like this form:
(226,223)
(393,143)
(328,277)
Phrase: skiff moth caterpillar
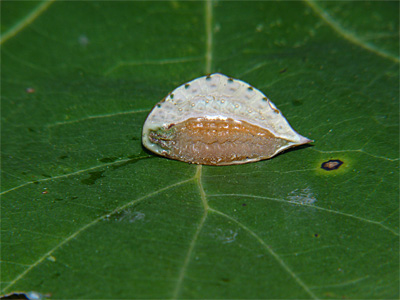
(218,120)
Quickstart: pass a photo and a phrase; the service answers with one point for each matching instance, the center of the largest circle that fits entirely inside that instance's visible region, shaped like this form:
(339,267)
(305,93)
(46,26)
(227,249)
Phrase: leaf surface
(88,213)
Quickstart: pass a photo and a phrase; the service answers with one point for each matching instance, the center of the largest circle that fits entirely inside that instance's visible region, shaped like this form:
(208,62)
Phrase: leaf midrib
(203,195)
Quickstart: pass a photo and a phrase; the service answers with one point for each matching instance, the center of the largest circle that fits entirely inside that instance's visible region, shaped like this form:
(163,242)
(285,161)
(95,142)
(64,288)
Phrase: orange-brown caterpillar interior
(217,141)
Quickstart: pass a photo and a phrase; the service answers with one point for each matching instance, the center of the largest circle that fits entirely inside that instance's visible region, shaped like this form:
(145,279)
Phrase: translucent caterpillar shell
(217,120)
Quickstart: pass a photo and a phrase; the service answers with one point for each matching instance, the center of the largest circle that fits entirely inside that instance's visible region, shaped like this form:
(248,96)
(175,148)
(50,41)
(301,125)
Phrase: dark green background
(88,213)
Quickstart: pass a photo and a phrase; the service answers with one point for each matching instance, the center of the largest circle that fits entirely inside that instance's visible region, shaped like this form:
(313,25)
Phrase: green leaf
(88,213)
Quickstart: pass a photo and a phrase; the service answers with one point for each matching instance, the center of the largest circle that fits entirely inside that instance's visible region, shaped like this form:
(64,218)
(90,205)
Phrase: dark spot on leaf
(158,105)
(46,175)
(93,177)
(225,279)
(74,197)
(59,199)
(316,235)
(108,159)
(283,70)
(172,96)
(244,204)
(297,102)
(31,129)
(63,157)
(331,165)
(36,182)
(135,138)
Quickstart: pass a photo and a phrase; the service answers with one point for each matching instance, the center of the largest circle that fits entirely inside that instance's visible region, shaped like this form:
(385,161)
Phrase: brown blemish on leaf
(331,165)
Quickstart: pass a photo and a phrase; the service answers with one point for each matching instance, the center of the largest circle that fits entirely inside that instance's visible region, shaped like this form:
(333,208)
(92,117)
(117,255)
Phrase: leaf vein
(69,174)
(357,150)
(163,61)
(192,244)
(270,251)
(83,228)
(26,21)
(351,37)
(313,206)
(98,117)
